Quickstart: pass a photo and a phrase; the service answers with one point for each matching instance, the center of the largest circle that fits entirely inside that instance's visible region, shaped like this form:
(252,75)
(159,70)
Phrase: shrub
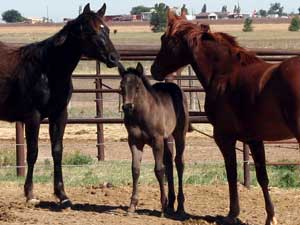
(295,24)
(248,25)
(77,158)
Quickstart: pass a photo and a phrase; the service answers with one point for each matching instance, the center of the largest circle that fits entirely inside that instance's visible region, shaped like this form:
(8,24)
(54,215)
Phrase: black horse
(35,83)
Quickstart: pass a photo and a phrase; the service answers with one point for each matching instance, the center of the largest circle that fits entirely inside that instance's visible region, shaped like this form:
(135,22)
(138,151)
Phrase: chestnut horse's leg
(136,153)
(168,161)
(32,127)
(158,152)
(258,155)
(227,147)
(57,126)
(179,161)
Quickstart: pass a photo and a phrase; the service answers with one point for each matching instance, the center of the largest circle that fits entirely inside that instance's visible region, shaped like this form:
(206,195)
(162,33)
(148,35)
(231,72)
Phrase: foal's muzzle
(128,108)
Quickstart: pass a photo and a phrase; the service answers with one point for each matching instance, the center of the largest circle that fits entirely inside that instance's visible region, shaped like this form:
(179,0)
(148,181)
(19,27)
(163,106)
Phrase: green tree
(299,10)
(295,24)
(204,8)
(235,9)
(158,19)
(248,25)
(224,9)
(183,8)
(12,16)
(263,13)
(276,8)
(138,10)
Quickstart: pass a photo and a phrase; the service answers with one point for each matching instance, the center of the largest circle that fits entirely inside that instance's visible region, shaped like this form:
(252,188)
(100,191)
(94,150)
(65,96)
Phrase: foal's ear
(140,69)
(101,11)
(121,69)
(87,8)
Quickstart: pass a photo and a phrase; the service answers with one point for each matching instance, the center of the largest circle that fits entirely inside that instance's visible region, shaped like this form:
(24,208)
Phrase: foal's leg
(57,125)
(136,153)
(258,155)
(158,151)
(179,161)
(32,127)
(168,161)
(227,147)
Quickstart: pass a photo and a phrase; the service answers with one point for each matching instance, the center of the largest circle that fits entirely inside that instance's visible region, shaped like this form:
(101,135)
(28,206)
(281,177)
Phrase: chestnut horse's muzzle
(128,108)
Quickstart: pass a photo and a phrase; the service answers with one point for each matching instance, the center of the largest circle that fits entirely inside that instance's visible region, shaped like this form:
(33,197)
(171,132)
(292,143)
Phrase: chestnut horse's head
(91,35)
(174,52)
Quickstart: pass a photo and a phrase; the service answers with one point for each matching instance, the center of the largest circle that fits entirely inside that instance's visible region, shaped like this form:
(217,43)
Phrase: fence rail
(139,53)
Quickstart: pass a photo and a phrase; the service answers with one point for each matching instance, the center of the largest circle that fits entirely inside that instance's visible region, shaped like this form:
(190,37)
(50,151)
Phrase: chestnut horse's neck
(210,59)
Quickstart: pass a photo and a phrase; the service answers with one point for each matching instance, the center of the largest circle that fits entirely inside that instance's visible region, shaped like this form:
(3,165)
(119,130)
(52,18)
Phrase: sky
(59,9)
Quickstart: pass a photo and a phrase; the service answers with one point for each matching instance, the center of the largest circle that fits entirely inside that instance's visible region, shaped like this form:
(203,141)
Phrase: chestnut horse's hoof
(65,204)
(33,202)
(272,221)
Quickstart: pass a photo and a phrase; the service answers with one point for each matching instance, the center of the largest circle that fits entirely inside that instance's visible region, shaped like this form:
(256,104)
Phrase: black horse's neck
(52,59)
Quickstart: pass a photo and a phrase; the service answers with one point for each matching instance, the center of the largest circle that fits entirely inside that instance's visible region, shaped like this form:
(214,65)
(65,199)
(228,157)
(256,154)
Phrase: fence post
(191,94)
(99,113)
(246,166)
(20,153)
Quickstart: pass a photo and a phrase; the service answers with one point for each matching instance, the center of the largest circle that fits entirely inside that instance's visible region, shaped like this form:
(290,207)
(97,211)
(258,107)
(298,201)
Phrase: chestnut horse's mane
(193,32)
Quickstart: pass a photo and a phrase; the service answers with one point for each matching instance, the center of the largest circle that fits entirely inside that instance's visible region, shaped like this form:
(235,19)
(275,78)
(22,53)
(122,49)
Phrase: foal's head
(133,81)
(91,35)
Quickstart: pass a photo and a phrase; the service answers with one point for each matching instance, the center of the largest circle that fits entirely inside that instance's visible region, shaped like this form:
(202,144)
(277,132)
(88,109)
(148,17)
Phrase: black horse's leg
(56,130)
(179,161)
(32,126)
(158,151)
(136,153)
(227,147)
(258,154)
(168,161)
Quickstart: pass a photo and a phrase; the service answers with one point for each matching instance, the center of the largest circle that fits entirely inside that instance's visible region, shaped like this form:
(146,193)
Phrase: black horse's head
(92,36)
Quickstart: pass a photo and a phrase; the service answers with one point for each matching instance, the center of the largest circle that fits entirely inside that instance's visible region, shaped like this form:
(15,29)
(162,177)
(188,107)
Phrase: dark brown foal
(153,114)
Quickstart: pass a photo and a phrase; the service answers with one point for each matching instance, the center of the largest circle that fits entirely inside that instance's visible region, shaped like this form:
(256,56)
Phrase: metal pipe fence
(140,53)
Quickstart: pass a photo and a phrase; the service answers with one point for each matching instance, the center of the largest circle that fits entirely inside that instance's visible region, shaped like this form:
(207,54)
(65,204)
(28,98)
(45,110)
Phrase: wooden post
(99,114)
(191,94)
(20,152)
(246,165)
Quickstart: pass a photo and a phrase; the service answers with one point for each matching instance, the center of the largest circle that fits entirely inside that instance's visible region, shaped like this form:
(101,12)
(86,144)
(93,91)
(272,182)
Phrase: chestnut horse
(247,99)
(152,115)
(35,83)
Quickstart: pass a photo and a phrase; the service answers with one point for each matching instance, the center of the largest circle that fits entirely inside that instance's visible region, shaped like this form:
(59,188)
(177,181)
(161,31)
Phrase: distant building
(34,20)
(212,15)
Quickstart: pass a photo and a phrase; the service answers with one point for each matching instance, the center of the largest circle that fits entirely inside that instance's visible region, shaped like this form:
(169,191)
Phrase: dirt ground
(95,205)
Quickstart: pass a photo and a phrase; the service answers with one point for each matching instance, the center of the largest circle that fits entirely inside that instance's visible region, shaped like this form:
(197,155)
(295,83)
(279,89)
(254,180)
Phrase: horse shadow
(86,207)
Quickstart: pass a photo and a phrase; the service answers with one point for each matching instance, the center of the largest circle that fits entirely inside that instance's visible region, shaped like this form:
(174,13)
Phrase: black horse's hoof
(169,211)
(65,204)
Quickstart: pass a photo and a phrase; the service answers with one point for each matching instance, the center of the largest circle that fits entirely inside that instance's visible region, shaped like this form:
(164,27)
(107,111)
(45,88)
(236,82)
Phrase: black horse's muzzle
(112,60)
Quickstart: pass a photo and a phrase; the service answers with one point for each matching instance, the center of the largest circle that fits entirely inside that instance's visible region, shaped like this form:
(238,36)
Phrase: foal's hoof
(132,208)
(33,202)
(272,221)
(64,204)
